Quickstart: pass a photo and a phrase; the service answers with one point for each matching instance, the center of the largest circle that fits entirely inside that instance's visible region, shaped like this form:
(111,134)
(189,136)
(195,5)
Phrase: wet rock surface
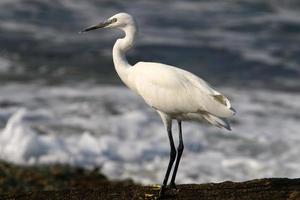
(65,182)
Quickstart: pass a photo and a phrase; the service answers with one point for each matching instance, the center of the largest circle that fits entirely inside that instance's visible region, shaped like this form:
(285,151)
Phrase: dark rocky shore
(64,182)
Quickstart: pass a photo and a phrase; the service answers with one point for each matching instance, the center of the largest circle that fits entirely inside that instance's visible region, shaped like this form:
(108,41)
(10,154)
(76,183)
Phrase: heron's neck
(120,48)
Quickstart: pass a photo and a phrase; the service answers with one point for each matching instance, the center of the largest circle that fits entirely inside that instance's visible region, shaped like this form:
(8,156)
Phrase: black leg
(179,153)
(171,161)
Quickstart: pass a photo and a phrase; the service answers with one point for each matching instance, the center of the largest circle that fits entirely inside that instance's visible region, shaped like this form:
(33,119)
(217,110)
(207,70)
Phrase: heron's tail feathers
(222,111)
(219,122)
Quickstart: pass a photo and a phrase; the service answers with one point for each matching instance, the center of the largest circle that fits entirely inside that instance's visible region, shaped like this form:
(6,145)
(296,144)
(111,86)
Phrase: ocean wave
(249,40)
(110,127)
(5,65)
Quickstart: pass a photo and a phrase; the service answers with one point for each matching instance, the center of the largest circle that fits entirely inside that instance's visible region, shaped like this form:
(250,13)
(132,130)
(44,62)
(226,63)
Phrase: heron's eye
(113,20)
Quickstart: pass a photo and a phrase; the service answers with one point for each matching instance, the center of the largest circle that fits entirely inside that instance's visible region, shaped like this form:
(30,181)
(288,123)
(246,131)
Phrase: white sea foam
(5,65)
(112,128)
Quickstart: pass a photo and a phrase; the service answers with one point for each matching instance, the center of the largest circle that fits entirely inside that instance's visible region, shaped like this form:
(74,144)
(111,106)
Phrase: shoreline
(66,182)
(259,189)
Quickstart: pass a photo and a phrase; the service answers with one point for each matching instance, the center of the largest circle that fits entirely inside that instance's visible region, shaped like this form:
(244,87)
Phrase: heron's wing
(204,86)
(173,90)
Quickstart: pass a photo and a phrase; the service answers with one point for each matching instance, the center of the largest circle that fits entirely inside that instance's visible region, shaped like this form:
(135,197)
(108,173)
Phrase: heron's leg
(179,153)
(171,161)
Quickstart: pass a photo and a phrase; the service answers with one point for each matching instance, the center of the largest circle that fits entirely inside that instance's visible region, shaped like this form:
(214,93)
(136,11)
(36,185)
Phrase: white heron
(174,93)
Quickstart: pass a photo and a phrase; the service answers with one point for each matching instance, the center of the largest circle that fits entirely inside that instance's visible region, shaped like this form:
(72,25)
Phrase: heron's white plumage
(176,92)
(173,92)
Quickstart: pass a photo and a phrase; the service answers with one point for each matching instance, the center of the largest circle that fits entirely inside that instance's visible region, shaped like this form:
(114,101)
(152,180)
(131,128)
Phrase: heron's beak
(100,25)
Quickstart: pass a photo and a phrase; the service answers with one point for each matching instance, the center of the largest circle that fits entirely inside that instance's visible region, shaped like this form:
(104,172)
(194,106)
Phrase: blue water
(244,42)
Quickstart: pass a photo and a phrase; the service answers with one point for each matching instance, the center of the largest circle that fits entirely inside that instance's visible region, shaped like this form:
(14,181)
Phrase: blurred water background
(61,100)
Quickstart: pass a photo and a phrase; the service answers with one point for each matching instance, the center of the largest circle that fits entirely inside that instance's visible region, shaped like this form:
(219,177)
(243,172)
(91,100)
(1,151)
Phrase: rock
(63,182)
(260,189)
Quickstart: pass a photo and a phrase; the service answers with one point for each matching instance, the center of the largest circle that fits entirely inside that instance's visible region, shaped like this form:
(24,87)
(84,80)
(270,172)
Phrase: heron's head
(120,20)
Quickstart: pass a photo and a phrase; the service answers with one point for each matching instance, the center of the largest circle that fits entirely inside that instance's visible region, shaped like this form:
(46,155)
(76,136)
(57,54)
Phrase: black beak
(100,25)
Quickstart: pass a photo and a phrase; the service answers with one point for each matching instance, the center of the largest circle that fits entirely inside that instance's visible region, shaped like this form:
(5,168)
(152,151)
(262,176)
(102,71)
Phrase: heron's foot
(161,192)
(167,191)
(172,186)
